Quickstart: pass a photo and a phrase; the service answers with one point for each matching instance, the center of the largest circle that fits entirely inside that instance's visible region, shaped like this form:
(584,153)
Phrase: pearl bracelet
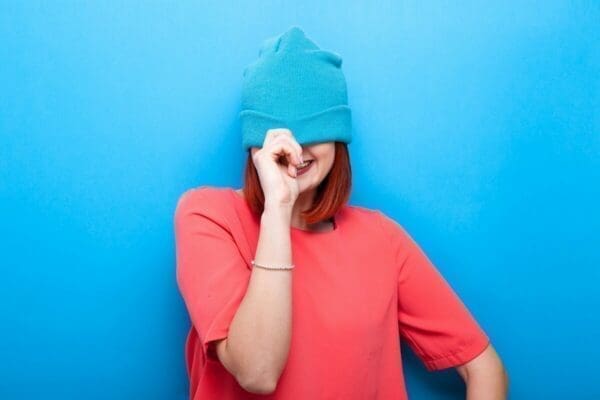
(276,268)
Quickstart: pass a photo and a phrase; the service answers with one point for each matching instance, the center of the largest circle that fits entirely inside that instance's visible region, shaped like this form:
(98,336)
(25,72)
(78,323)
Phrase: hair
(331,195)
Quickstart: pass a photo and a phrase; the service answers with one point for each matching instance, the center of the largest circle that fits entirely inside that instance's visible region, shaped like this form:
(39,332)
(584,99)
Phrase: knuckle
(276,131)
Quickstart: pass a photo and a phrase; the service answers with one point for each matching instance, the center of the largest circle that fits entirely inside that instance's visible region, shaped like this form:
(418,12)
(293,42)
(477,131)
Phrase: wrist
(279,214)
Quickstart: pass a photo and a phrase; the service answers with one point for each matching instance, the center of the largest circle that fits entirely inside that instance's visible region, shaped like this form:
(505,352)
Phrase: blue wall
(476,127)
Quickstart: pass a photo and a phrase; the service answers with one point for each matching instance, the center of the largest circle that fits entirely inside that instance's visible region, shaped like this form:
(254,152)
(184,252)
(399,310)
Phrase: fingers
(283,134)
(282,149)
(280,143)
(292,170)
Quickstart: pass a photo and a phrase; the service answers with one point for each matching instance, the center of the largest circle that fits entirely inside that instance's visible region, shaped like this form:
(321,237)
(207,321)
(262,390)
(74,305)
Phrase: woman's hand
(276,163)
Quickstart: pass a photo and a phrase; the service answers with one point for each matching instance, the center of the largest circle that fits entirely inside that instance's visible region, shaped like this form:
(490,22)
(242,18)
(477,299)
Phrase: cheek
(330,161)
(325,164)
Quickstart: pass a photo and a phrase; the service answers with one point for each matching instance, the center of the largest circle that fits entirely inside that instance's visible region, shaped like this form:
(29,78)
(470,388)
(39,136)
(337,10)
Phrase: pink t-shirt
(357,291)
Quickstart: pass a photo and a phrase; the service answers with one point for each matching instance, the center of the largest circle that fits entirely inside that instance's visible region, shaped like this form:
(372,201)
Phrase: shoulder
(362,214)
(370,219)
(201,194)
(390,227)
(377,229)
(205,199)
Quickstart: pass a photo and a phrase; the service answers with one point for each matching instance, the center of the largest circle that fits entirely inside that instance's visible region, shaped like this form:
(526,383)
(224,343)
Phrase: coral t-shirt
(358,290)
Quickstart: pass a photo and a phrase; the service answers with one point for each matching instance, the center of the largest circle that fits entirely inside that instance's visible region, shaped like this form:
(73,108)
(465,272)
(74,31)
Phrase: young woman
(292,292)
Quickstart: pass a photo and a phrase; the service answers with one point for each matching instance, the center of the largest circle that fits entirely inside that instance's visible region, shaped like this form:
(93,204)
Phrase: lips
(305,164)
(303,170)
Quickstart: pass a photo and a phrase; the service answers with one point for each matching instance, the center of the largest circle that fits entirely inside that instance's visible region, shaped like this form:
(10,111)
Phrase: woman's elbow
(252,378)
(506,380)
(258,384)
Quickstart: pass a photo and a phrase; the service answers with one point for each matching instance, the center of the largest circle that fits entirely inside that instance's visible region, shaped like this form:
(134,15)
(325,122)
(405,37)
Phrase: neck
(304,202)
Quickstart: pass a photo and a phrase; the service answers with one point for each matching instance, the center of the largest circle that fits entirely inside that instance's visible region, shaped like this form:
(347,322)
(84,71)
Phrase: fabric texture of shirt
(357,292)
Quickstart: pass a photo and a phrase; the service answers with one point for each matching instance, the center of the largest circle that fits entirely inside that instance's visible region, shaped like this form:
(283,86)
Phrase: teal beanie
(295,85)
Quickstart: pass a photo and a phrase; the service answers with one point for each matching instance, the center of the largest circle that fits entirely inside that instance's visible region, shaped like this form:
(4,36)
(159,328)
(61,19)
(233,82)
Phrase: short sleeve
(212,275)
(431,317)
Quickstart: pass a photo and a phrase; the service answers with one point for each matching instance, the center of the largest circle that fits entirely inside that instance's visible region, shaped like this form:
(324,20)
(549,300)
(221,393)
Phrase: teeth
(304,164)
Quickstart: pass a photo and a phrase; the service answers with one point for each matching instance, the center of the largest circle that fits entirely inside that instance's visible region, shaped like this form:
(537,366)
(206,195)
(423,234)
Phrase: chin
(307,186)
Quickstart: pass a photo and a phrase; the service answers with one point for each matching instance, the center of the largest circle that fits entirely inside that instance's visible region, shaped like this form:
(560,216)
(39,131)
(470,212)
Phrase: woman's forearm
(487,384)
(259,336)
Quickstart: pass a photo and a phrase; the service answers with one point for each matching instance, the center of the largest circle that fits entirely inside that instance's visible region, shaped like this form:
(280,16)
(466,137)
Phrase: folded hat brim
(331,124)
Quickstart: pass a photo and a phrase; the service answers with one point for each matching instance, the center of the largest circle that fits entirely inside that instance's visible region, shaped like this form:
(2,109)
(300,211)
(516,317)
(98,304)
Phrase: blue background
(476,126)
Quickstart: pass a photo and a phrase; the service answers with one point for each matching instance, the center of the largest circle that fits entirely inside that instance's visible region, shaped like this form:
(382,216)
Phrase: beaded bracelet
(276,268)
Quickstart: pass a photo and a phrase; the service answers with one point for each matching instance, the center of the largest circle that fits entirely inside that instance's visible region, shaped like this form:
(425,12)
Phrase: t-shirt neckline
(299,231)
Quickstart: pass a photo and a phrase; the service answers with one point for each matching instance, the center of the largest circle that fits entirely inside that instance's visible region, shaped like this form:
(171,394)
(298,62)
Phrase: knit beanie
(295,85)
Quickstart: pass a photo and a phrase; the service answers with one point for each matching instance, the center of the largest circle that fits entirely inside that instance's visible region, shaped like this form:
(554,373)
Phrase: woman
(292,292)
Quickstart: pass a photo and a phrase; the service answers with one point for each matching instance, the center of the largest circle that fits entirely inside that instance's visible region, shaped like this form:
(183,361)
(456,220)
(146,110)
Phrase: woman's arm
(485,376)
(256,349)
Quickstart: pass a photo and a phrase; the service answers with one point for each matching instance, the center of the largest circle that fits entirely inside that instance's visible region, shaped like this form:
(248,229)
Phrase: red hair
(332,193)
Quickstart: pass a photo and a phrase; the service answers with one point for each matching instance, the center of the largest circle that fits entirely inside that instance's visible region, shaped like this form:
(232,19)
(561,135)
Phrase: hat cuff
(331,124)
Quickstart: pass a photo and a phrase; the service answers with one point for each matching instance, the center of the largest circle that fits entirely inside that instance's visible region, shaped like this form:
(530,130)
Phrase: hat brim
(329,125)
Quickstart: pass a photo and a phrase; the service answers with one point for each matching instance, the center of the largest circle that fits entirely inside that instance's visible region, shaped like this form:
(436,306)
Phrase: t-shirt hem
(462,356)
(214,334)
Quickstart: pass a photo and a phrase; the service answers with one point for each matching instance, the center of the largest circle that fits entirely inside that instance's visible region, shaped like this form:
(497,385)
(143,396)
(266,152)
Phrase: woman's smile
(305,167)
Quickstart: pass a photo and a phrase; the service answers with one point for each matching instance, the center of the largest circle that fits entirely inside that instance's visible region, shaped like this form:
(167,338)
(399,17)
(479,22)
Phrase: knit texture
(295,85)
